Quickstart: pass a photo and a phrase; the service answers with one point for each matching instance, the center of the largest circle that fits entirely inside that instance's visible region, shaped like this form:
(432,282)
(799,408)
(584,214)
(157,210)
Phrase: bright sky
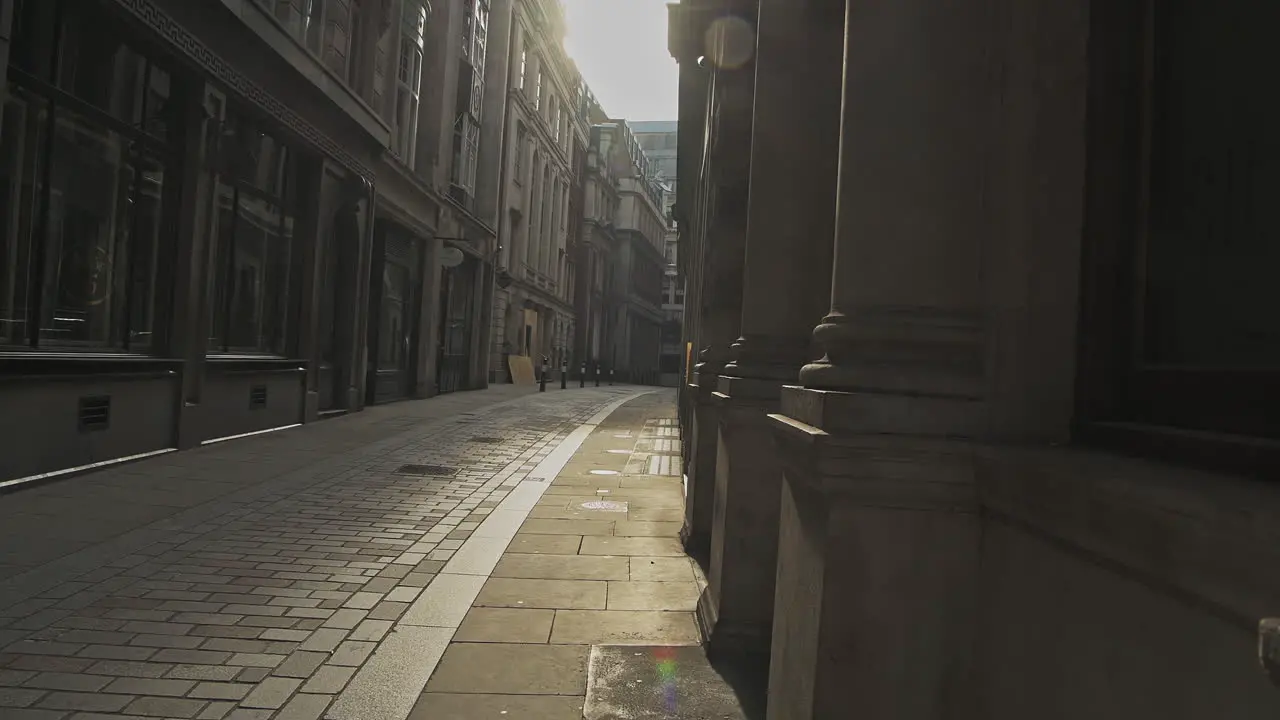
(621,48)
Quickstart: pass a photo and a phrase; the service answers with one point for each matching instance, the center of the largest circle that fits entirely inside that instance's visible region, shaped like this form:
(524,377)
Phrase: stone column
(6,34)
(724,228)
(365,212)
(691,140)
(482,331)
(428,334)
(191,316)
(311,261)
(878,542)
(785,291)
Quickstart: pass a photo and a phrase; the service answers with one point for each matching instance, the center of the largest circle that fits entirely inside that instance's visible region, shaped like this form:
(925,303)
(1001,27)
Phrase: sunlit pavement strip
(657,451)
(597,564)
(389,684)
(266,603)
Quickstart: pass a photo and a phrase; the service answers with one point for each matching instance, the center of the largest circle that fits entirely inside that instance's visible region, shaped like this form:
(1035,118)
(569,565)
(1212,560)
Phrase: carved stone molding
(196,51)
(879,471)
(925,350)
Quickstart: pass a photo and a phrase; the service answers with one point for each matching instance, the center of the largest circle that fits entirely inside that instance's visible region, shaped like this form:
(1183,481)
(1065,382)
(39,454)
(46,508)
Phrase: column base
(311,407)
(188,433)
(737,607)
(877,561)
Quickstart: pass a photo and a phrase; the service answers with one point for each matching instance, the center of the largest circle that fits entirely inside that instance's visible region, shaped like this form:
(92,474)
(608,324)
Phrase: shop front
(169,230)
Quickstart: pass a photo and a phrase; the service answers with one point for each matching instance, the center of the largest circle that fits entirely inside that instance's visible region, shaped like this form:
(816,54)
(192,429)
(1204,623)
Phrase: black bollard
(582,377)
(542,379)
(597,374)
(564,374)
(610,376)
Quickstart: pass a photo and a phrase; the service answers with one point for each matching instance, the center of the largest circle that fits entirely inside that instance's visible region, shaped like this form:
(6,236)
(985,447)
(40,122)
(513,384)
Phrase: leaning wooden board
(521,370)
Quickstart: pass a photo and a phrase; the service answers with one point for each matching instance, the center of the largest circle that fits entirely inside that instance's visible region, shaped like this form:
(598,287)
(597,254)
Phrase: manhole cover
(604,472)
(487,440)
(433,470)
(605,506)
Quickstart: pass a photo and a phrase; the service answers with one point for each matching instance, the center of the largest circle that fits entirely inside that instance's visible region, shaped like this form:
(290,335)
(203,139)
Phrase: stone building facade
(639,261)
(538,90)
(226,217)
(659,139)
(1004,451)
(594,304)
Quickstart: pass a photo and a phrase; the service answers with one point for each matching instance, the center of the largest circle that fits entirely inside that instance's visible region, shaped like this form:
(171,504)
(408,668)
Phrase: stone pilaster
(724,218)
(878,529)
(693,88)
(715,105)
(189,331)
(306,304)
(785,291)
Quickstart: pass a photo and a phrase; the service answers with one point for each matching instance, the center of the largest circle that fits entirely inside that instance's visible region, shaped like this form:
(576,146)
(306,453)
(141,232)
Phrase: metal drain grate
(423,470)
(486,440)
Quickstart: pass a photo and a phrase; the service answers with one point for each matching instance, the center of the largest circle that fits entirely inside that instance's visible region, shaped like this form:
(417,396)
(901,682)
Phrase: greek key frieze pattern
(190,45)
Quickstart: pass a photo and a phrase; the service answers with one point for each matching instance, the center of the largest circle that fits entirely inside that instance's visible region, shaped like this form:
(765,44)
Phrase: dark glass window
(251,269)
(1212,253)
(85,152)
(1179,338)
(1207,342)
(393,335)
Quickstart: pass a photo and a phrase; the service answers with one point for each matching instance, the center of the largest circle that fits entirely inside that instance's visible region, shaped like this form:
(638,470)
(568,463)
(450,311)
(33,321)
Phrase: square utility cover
(658,683)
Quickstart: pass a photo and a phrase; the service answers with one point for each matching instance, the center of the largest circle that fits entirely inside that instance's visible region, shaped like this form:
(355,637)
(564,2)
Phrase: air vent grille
(257,397)
(94,413)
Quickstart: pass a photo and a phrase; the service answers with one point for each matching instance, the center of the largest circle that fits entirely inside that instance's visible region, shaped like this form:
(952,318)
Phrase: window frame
(524,63)
(522,136)
(1120,403)
(287,198)
(537,98)
(142,145)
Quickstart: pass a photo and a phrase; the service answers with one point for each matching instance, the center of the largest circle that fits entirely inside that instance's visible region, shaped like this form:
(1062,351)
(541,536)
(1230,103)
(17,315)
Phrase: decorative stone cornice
(195,51)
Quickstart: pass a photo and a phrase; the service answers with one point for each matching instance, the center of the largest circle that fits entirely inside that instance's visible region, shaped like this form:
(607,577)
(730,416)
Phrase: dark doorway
(393,305)
(337,299)
(457,312)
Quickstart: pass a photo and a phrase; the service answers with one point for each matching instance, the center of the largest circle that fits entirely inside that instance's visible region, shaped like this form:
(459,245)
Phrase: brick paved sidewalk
(256,578)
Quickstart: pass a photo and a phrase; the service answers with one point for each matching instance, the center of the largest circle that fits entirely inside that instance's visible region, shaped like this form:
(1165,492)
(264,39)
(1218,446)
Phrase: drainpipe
(364,285)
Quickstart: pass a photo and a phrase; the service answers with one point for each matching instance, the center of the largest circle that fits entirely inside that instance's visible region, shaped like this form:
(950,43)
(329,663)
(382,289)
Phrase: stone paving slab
(438,706)
(320,591)
(506,625)
(512,669)
(660,683)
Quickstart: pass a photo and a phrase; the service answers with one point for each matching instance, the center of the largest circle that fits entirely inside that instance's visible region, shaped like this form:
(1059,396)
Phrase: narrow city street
(481,555)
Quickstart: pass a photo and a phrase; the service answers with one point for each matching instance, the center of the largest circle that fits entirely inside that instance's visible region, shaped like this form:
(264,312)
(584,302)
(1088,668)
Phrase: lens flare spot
(730,42)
